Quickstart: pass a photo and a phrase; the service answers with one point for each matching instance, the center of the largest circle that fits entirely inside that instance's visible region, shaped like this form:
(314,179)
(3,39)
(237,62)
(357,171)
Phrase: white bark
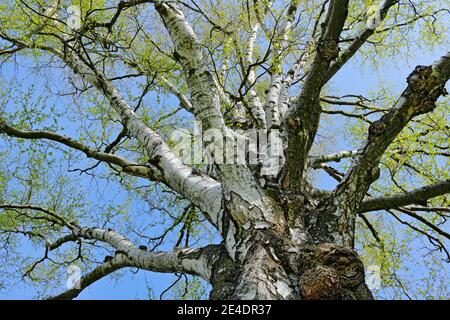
(333,157)
(254,101)
(243,197)
(186,260)
(203,191)
(263,279)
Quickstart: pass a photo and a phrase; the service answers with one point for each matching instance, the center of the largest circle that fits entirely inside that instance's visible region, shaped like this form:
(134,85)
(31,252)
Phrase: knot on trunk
(420,79)
(328,49)
(320,283)
(377,128)
(329,271)
(374,174)
(294,122)
(422,89)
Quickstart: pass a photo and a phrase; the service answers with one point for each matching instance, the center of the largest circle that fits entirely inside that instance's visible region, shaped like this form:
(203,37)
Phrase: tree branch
(191,261)
(236,179)
(197,262)
(132,168)
(203,90)
(425,86)
(358,42)
(404,199)
(281,41)
(302,120)
(315,161)
(118,262)
(201,190)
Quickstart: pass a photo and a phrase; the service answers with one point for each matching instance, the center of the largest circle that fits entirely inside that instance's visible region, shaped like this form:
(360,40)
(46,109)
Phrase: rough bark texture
(276,268)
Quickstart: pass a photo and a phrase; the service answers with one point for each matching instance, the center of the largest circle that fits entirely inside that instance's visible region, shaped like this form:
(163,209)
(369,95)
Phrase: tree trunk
(291,264)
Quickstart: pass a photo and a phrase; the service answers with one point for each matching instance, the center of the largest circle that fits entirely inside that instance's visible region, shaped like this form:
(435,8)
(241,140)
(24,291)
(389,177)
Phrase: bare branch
(302,120)
(191,261)
(417,196)
(132,168)
(425,86)
(118,262)
(336,157)
(358,42)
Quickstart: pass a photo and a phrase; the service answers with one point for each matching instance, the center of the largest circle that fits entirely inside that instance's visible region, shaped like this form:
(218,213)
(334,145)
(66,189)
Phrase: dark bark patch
(224,276)
(328,49)
(320,283)
(329,271)
(422,90)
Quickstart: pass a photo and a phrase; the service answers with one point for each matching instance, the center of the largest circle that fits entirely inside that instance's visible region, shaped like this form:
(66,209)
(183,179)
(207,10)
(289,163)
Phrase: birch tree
(234,67)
